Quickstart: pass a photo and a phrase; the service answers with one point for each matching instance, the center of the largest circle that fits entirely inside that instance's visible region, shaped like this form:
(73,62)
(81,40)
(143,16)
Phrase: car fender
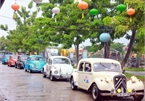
(74,75)
(103,85)
(138,85)
(44,68)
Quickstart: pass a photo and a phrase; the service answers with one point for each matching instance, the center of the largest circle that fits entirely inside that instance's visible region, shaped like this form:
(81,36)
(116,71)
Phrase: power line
(6,17)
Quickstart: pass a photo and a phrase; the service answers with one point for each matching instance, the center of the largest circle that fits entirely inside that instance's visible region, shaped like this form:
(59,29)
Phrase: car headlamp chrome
(134,79)
(55,72)
(107,78)
(33,65)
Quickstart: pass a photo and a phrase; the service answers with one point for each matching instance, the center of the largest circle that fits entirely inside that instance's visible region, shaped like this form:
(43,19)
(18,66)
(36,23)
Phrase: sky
(6,14)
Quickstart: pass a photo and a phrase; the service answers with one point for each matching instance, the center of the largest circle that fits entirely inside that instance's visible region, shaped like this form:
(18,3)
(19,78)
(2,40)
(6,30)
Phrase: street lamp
(105,37)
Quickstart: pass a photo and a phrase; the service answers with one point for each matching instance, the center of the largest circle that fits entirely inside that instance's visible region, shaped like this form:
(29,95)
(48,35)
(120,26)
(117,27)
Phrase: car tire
(138,97)
(95,93)
(51,77)
(29,70)
(73,87)
(25,70)
(15,65)
(44,74)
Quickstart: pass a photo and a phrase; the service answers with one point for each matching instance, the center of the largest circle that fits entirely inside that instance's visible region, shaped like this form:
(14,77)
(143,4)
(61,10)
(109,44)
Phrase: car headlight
(55,72)
(134,79)
(107,78)
(33,65)
(119,90)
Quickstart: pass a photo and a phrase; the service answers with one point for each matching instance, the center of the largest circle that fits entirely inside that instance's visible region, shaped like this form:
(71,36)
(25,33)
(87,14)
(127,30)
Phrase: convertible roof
(93,60)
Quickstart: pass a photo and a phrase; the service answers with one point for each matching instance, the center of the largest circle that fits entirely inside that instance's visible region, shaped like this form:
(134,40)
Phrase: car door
(80,74)
(86,75)
(27,63)
(48,66)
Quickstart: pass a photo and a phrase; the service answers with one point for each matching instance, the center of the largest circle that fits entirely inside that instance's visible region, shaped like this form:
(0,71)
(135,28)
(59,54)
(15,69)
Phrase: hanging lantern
(15,6)
(83,5)
(105,37)
(131,12)
(93,11)
(121,7)
(55,10)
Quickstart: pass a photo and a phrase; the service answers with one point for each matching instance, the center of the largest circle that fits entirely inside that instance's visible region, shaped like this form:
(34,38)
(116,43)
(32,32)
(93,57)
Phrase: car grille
(120,83)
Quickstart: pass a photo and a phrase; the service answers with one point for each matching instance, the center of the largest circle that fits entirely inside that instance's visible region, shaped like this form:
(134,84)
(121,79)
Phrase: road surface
(18,85)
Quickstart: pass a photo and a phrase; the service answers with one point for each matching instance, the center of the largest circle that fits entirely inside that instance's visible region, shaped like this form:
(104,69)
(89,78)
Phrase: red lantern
(15,6)
(83,5)
(131,12)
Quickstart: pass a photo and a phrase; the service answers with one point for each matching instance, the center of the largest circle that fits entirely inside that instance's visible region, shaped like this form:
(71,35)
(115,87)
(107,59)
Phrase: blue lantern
(105,37)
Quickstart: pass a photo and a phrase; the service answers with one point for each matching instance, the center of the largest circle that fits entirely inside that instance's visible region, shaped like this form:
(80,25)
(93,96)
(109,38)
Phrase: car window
(61,61)
(88,67)
(28,59)
(81,66)
(23,57)
(106,67)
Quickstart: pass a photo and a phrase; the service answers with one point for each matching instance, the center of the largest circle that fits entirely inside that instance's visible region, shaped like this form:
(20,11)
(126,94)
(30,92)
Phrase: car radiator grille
(120,83)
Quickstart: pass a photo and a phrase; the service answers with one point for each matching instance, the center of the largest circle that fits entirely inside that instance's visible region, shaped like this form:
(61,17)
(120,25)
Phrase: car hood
(39,63)
(109,74)
(64,68)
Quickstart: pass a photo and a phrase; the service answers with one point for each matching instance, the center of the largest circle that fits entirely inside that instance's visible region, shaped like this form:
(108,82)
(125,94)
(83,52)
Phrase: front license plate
(123,94)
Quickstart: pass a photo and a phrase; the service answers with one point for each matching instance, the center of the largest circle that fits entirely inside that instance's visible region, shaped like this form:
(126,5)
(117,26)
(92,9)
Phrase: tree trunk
(77,53)
(107,50)
(129,49)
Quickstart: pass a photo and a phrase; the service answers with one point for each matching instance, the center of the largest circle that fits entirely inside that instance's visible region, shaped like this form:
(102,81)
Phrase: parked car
(58,67)
(34,63)
(5,58)
(103,77)
(12,60)
(20,61)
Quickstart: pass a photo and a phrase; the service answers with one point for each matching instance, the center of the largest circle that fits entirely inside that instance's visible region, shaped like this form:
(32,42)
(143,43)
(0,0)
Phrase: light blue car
(5,58)
(34,63)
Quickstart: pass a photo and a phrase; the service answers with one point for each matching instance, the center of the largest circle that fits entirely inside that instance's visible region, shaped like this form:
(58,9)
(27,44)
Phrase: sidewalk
(136,73)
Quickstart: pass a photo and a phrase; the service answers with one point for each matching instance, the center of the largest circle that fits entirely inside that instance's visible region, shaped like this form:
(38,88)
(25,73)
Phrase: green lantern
(121,7)
(93,11)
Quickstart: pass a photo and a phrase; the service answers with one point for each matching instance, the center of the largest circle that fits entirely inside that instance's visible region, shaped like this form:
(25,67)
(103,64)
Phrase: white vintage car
(103,77)
(58,67)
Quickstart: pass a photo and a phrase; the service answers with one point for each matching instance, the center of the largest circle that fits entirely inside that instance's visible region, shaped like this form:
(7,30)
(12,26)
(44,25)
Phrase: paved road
(17,85)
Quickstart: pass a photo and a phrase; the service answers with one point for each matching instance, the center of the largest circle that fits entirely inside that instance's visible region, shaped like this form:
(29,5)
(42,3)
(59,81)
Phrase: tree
(117,46)
(121,24)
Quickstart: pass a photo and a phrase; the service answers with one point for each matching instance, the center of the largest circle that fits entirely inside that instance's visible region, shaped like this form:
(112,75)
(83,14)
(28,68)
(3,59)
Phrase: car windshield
(24,57)
(61,61)
(14,56)
(37,58)
(54,54)
(106,67)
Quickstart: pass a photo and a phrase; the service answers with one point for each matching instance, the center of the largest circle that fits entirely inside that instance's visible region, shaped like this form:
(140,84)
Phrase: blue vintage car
(34,63)
(5,58)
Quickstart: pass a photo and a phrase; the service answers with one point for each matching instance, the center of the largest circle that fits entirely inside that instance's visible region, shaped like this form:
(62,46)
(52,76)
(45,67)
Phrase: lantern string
(130,19)
(82,14)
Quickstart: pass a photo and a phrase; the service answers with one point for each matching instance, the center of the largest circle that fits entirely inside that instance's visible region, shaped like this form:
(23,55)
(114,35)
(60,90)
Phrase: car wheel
(138,97)
(95,92)
(44,74)
(25,69)
(73,87)
(51,77)
(15,65)
(29,70)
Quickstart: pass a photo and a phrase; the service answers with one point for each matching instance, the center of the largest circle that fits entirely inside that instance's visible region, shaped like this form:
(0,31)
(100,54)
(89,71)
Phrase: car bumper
(122,94)
(62,76)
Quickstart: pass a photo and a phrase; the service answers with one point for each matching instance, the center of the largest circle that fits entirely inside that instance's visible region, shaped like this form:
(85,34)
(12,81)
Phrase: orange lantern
(15,6)
(131,12)
(83,5)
